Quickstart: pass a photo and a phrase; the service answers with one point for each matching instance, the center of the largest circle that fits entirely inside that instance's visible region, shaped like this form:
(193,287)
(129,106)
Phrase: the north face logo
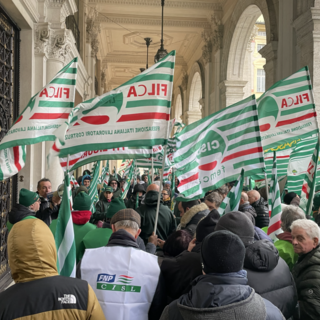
(68,299)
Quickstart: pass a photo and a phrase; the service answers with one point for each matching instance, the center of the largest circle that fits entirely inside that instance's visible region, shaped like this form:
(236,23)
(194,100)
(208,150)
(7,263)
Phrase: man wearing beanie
(138,191)
(267,273)
(222,291)
(29,204)
(80,217)
(102,205)
(126,280)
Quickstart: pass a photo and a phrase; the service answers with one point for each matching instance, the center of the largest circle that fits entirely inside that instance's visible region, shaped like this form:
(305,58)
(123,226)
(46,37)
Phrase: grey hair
(223,189)
(289,214)
(214,197)
(126,224)
(310,227)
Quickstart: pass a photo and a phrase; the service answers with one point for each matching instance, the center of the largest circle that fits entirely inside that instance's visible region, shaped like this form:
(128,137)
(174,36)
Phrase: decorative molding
(218,29)
(207,48)
(207,5)
(184,82)
(199,23)
(92,30)
(253,35)
(53,43)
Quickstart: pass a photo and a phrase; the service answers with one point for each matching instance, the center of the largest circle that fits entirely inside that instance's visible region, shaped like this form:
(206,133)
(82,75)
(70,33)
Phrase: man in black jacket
(48,209)
(261,208)
(105,267)
(191,213)
(222,291)
(267,273)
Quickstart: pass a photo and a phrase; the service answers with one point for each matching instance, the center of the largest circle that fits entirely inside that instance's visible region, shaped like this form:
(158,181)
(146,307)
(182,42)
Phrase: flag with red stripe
(46,110)
(309,182)
(287,112)
(274,201)
(136,114)
(12,160)
(214,150)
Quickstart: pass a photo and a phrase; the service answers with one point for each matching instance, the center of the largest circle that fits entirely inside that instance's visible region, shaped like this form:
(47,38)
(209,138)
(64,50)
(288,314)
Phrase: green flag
(93,191)
(64,236)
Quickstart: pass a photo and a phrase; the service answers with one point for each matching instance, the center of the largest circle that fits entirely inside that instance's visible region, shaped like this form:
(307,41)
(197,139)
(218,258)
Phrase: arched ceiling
(125,23)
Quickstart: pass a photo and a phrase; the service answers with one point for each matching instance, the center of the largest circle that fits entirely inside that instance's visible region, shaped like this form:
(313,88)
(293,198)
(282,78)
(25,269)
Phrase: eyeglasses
(113,183)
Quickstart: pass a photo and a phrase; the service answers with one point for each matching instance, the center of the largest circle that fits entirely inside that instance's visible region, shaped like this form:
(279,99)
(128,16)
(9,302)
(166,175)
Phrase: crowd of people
(197,265)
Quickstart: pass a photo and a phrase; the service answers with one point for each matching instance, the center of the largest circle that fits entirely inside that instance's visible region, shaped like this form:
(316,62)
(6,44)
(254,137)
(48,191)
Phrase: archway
(195,96)
(178,109)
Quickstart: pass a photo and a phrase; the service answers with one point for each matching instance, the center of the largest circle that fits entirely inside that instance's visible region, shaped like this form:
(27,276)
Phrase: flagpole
(152,165)
(161,181)
(267,187)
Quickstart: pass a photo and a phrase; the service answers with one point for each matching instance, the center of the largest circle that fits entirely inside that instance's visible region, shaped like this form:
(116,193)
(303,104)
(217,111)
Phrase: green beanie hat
(82,202)
(116,205)
(27,197)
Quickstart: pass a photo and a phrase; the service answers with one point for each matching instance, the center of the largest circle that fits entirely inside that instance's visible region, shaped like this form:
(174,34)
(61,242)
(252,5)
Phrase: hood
(31,251)
(81,217)
(118,183)
(286,236)
(186,218)
(216,290)
(19,212)
(262,256)
(151,198)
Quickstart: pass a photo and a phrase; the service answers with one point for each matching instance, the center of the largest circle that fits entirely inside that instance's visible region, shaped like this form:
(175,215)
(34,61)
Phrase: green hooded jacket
(285,249)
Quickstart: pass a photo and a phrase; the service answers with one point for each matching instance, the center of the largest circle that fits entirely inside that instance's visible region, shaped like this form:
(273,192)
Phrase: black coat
(180,271)
(262,218)
(47,214)
(19,212)
(213,296)
(270,276)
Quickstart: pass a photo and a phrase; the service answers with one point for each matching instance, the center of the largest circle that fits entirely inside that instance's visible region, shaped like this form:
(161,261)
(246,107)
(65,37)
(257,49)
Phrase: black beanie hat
(238,223)
(289,197)
(207,225)
(139,188)
(222,252)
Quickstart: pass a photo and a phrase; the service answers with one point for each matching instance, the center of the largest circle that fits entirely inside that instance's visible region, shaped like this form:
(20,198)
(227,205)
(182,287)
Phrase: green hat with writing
(27,197)
(108,189)
(116,205)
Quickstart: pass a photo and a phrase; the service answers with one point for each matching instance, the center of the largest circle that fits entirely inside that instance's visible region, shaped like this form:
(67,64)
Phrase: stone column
(231,92)
(307,26)
(184,98)
(269,52)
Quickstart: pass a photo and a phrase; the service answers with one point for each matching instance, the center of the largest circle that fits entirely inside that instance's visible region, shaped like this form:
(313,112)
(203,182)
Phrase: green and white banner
(287,112)
(12,160)
(46,110)
(64,236)
(127,184)
(309,182)
(274,202)
(214,150)
(135,114)
(232,201)
(93,191)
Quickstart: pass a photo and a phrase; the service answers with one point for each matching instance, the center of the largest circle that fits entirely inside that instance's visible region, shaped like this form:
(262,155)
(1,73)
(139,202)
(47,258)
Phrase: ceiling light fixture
(162,52)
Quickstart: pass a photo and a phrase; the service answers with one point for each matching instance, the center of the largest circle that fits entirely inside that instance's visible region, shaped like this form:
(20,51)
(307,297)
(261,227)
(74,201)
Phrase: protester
(115,184)
(176,243)
(29,204)
(267,273)
(166,222)
(48,210)
(139,191)
(246,208)
(261,208)
(80,217)
(166,199)
(167,185)
(213,200)
(284,245)
(181,270)
(191,213)
(102,205)
(306,272)
(86,180)
(120,265)
(223,190)
(222,292)
(292,198)
(42,293)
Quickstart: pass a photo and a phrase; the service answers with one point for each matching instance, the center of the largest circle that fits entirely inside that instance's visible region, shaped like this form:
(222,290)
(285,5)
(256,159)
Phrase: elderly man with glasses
(115,184)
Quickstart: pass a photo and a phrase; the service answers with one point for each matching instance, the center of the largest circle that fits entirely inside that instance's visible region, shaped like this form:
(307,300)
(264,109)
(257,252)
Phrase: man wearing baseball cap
(102,205)
(126,280)
(29,204)
(222,291)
